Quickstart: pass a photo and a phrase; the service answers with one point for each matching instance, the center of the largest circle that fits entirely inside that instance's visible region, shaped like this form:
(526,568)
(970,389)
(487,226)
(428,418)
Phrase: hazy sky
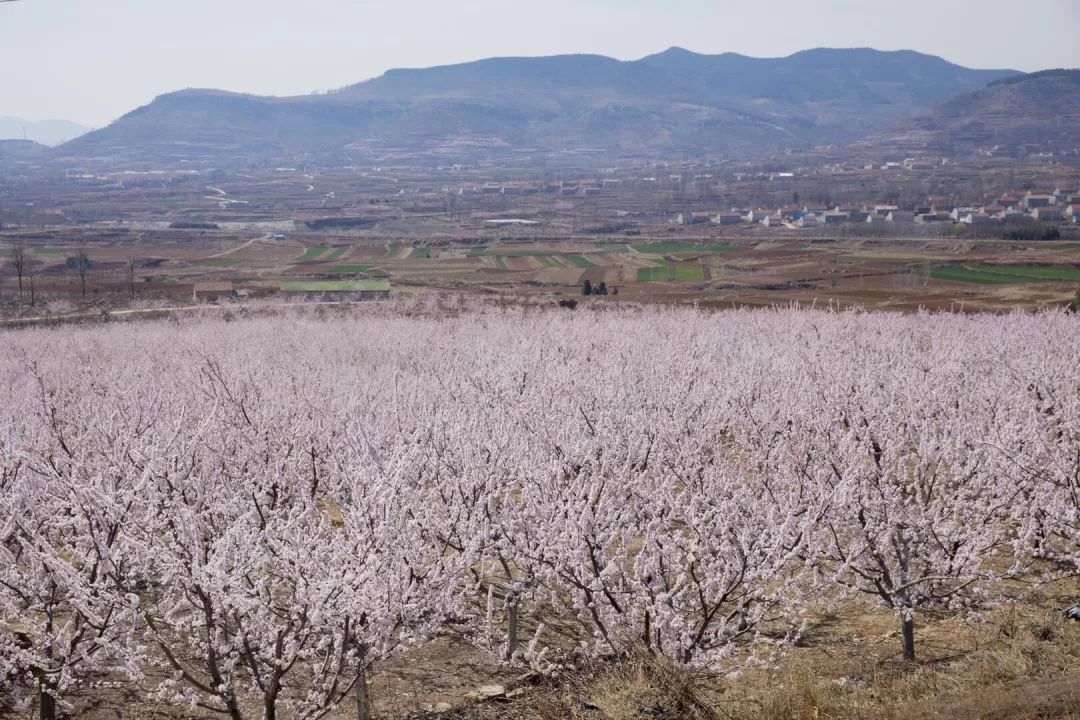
(93,60)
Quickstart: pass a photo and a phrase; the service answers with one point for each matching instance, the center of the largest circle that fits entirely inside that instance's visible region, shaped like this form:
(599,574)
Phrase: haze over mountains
(45,132)
(670,104)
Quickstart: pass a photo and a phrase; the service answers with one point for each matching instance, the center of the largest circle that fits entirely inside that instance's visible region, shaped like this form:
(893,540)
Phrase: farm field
(742,514)
(671,273)
(1007,274)
(125,267)
(312,253)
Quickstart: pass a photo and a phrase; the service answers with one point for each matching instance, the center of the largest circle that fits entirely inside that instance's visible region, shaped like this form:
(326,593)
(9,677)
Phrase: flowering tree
(63,612)
(270,575)
(917,510)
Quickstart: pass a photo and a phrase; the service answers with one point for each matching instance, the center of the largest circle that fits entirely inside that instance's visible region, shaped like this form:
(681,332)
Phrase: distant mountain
(1039,112)
(674,103)
(46,132)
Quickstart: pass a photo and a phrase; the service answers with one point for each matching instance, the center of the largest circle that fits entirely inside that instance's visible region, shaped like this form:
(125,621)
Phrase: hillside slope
(1039,112)
(675,102)
(15,152)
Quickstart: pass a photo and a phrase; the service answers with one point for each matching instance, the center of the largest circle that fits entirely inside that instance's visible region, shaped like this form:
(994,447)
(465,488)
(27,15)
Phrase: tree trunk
(46,699)
(512,628)
(46,703)
(907,632)
(363,700)
(270,700)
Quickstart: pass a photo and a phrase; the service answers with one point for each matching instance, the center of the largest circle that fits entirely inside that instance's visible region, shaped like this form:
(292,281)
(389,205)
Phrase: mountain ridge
(669,103)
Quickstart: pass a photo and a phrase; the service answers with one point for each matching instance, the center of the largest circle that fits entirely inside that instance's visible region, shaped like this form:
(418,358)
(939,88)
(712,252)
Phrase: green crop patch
(421,253)
(336,255)
(984,274)
(314,286)
(500,261)
(349,269)
(671,273)
(579,261)
(549,260)
(312,253)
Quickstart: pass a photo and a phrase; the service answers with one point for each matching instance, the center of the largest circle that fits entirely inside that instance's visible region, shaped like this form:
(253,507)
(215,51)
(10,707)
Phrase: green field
(220,262)
(579,261)
(668,248)
(336,286)
(421,253)
(671,273)
(501,262)
(1006,274)
(336,255)
(349,269)
(311,253)
(549,260)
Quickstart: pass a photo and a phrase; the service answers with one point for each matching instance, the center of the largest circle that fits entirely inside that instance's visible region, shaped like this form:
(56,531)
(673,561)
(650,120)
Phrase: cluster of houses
(1054,208)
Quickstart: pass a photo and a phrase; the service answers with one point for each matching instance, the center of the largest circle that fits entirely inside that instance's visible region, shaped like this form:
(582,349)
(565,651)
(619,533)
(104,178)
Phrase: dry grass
(637,686)
(1022,661)
(1019,662)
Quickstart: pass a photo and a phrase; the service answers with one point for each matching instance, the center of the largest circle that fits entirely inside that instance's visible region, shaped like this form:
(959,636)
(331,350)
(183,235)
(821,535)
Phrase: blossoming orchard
(251,517)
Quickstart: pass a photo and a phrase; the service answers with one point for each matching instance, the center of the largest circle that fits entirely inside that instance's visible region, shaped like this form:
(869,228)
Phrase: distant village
(1053,208)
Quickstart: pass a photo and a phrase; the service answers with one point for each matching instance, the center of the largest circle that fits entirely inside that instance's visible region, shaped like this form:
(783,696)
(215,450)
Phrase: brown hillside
(1031,113)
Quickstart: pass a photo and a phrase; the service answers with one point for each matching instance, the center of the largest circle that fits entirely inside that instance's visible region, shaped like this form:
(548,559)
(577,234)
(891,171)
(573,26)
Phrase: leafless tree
(83,263)
(131,277)
(19,260)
